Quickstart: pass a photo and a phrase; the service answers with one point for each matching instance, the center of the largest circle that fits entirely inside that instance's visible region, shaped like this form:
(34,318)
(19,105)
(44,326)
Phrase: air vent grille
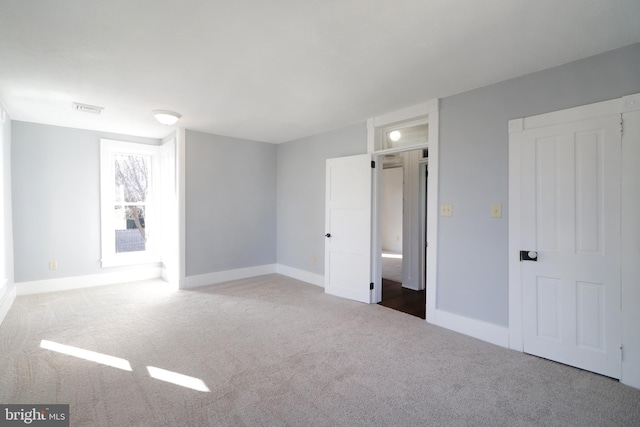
(86,108)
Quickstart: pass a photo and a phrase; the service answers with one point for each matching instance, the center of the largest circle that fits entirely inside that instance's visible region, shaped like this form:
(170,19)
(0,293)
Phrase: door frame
(427,111)
(630,282)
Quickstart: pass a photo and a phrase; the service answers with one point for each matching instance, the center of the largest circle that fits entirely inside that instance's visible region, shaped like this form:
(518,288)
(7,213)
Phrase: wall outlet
(53,265)
(496,210)
(446,210)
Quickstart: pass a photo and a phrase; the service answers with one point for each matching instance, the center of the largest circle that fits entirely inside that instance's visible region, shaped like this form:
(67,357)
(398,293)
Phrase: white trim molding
(302,275)
(631,103)
(6,302)
(110,257)
(407,113)
(89,281)
(228,275)
(494,334)
(428,111)
(630,248)
(181,142)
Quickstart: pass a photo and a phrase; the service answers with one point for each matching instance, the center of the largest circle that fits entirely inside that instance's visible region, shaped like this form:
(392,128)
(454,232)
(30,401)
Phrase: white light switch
(496,210)
(446,210)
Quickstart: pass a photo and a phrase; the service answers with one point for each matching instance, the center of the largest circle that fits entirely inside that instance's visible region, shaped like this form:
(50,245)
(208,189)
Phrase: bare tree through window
(131,175)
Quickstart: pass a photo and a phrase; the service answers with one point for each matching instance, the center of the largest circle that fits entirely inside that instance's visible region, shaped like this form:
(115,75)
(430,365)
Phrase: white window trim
(108,148)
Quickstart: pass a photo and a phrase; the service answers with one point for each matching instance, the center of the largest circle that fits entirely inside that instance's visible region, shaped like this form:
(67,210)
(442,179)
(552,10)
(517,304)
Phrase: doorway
(402,230)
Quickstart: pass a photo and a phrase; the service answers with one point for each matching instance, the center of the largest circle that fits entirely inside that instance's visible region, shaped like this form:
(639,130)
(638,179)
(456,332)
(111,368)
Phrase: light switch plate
(496,210)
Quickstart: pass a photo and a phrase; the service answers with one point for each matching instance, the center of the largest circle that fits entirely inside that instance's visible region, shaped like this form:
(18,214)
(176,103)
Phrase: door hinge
(621,125)
(371,286)
(373,164)
(621,353)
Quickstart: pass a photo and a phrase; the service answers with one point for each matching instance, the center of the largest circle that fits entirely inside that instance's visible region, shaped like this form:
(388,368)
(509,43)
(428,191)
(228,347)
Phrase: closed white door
(348,227)
(570,219)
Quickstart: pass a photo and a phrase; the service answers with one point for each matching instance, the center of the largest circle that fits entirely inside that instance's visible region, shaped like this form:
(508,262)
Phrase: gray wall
(301,193)
(473,265)
(56,199)
(230,203)
(5,158)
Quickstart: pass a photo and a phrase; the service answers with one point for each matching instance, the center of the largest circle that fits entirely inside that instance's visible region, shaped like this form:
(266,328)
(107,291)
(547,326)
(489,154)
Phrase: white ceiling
(279,70)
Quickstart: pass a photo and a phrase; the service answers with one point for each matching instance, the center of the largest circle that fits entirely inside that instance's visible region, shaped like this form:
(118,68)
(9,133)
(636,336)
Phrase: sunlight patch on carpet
(178,379)
(92,356)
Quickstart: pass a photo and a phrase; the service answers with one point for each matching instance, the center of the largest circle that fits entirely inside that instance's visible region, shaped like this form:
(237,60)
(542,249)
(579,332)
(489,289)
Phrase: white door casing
(169,212)
(348,227)
(429,110)
(630,241)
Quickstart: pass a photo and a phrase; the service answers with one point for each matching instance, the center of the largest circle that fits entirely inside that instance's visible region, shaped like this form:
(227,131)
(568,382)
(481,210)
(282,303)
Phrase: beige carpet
(274,351)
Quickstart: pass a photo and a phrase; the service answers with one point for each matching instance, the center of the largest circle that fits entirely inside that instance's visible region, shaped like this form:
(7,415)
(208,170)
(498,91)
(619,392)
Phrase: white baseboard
(498,335)
(170,276)
(305,276)
(6,302)
(77,282)
(412,286)
(228,275)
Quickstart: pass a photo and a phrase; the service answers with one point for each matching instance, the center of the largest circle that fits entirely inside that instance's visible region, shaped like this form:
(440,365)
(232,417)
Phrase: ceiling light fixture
(395,135)
(166,117)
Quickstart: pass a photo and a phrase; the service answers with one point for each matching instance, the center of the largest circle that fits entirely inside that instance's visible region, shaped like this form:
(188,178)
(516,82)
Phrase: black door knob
(327,235)
(528,256)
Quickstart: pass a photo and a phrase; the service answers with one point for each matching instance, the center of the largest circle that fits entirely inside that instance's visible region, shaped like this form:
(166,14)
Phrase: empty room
(296,213)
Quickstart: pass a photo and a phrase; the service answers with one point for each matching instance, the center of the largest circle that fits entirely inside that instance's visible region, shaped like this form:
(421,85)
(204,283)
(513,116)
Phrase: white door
(570,218)
(348,228)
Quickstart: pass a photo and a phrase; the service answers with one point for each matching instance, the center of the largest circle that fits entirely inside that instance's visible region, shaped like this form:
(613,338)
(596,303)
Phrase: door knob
(528,256)
(327,235)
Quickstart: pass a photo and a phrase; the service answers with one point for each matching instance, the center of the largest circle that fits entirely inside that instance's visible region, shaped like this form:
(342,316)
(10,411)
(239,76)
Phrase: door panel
(571,217)
(348,226)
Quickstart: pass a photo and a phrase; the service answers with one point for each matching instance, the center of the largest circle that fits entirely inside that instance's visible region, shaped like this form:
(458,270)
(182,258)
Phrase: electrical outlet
(53,265)
(446,210)
(496,210)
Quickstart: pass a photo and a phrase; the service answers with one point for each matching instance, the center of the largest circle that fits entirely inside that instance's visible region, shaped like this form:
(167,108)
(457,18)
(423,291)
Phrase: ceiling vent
(85,108)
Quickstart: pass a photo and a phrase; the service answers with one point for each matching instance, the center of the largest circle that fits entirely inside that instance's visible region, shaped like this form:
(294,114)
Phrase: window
(128,208)
(404,135)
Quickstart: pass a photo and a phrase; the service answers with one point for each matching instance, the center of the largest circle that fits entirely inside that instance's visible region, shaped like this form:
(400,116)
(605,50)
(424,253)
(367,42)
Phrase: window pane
(131,178)
(407,136)
(129,228)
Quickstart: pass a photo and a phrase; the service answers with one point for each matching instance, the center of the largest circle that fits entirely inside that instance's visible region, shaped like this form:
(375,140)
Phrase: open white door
(348,228)
(570,238)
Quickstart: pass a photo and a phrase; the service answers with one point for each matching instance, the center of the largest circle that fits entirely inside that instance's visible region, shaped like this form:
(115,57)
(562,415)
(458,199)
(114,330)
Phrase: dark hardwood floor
(405,300)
